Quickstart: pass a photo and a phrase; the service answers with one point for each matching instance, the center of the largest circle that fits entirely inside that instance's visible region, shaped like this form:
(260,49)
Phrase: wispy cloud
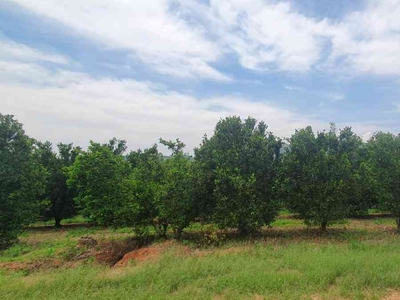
(11,51)
(292,88)
(265,35)
(75,107)
(333,96)
(149,29)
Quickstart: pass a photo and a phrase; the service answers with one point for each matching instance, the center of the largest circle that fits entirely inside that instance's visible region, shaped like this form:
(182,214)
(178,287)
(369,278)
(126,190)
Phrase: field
(356,259)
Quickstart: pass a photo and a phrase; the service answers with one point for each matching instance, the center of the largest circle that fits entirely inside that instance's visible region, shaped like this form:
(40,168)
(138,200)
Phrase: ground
(356,259)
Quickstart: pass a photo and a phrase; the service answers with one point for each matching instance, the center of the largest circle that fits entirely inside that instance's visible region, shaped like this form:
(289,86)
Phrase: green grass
(74,220)
(355,270)
(355,259)
(287,223)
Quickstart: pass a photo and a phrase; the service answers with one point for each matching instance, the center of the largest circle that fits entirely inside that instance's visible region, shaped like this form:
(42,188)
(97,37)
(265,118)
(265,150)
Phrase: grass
(74,220)
(356,259)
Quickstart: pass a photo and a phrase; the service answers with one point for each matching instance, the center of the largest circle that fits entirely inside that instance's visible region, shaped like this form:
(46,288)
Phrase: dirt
(139,255)
(393,295)
(144,254)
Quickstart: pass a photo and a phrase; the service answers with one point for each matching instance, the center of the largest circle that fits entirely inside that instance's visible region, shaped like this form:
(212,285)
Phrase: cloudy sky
(74,70)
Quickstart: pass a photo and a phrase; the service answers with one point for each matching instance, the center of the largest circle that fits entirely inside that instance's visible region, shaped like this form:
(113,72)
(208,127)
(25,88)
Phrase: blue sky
(73,70)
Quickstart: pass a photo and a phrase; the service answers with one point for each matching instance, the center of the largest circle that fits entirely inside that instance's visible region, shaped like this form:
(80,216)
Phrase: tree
(317,170)
(118,147)
(162,188)
(60,196)
(22,180)
(361,186)
(148,176)
(240,164)
(102,179)
(176,201)
(175,146)
(385,162)
(203,175)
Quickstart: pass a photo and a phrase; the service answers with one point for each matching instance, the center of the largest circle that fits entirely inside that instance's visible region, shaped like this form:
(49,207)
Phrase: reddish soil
(143,254)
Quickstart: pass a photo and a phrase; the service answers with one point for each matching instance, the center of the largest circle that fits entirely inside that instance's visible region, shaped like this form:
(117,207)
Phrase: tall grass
(354,270)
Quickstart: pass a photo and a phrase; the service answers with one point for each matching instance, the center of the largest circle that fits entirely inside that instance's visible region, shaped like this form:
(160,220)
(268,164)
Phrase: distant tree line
(241,177)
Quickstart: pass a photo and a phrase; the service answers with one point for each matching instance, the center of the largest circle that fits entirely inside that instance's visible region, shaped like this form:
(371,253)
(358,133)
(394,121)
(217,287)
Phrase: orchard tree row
(238,178)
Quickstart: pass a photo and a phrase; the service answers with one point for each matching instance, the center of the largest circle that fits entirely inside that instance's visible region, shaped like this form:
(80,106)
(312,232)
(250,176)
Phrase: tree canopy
(22,180)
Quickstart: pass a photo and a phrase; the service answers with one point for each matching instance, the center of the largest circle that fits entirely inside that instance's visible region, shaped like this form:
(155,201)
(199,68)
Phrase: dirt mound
(112,252)
(144,254)
(109,253)
(138,255)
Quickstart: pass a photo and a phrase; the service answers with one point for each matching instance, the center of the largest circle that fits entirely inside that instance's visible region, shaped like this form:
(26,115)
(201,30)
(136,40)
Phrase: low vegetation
(356,259)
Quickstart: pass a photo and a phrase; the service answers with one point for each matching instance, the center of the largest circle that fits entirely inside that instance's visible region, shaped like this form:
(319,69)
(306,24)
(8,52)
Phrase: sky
(74,71)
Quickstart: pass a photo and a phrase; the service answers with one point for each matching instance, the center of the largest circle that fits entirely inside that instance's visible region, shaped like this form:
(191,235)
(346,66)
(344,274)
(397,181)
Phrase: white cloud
(11,51)
(184,38)
(266,35)
(148,28)
(333,96)
(368,41)
(73,107)
(293,88)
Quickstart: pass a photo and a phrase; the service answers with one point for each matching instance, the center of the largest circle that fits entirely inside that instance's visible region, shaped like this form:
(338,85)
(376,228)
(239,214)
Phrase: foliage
(239,178)
(385,162)
(148,176)
(61,197)
(240,164)
(22,180)
(176,201)
(102,180)
(318,172)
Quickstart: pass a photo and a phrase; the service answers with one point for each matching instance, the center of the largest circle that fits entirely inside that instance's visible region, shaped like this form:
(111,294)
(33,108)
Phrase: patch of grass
(285,212)
(15,251)
(39,251)
(377,211)
(287,223)
(384,221)
(73,220)
(354,270)
(356,259)
(78,232)
(341,222)
(123,230)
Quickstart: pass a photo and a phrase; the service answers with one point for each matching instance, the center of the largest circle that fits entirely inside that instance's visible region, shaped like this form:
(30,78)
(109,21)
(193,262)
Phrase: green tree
(22,180)
(102,179)
(240,163)
(148,176)
(118,147)
(361,186)
(385,163)
(318,172)
(176,201)
(204,176)
(60,196)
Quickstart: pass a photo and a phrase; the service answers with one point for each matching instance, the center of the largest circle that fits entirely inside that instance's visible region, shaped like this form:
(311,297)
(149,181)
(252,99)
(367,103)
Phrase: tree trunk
(323,226)
(58,222)
(178,233)
(165,228)
(398,222)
